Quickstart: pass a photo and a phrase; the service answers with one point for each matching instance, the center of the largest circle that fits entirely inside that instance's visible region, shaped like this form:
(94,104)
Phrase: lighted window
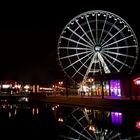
(115,88)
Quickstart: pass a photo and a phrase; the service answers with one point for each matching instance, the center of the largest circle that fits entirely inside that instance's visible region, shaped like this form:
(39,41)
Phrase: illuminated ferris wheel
(97,42)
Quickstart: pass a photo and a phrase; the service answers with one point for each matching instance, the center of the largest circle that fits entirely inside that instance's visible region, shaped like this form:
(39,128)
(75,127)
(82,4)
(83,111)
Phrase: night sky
(29,33)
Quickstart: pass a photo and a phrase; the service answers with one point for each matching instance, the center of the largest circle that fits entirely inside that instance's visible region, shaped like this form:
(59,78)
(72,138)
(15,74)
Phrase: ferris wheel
(97,42)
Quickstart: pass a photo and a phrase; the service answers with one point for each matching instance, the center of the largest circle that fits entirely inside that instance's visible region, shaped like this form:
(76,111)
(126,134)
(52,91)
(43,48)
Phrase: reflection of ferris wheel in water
(97,42)
(78,126)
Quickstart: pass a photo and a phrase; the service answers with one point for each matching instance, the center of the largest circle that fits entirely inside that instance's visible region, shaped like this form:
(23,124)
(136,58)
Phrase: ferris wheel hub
(98,48)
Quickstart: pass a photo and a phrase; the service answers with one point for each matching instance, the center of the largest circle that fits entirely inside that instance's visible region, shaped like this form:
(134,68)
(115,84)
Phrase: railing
(14,94)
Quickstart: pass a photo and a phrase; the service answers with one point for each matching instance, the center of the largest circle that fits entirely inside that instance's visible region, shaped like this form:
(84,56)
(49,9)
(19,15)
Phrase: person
(136,95)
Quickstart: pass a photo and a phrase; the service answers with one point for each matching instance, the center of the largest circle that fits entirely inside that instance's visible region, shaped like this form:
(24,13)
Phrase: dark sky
(29,33)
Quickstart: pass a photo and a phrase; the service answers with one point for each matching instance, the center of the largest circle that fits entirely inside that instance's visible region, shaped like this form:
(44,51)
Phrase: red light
(138,124)
(137,81)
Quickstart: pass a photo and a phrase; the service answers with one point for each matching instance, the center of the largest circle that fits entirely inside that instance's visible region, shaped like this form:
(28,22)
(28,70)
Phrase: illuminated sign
(138,124)
(137,81)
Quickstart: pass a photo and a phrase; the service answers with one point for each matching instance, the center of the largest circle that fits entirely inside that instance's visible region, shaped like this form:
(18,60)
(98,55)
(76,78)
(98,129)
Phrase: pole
(102,89)
(66,88)
(130,88)
(102,78)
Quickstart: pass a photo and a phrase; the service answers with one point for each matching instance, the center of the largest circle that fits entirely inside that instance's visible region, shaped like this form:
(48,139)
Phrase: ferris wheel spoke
(103,29)
(77,42)
(117,60)
(85,33)
(117,41)
(82,66)
(114,136)
(103,64)
(77,108)
(138,136)
(89,67)
(119,47)
(76,54)
(66,137)
(86,116)
(110,63)
(96,28)
(78,121)
(78,132)
(77,61)
(113,25)
(80,37)
(113,36)
(74,48)
(90,31)
(109,134)
(121,54)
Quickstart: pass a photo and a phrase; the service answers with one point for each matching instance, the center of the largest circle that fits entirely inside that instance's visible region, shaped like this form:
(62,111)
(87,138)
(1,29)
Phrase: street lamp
(60,83)
(92,128)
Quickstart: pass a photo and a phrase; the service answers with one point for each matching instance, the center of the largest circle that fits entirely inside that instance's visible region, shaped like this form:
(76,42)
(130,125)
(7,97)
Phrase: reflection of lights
(11,106)
(87,110)
(15,111)
(9,114)
(117,113)
(116,117)
(35,111)
(4,106)
(60,119)
(55,107)
(138,124)
(26,99)
(92,128)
